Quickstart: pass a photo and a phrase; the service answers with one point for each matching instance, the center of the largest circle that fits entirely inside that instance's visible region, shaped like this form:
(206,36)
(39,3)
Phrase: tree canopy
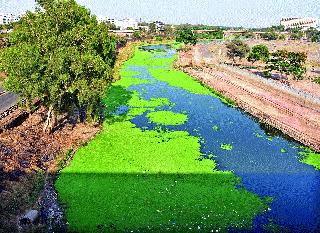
(186,36)
(270,35)
(289,63)
(237,48)
(313,35)
(61,56)
(259,53)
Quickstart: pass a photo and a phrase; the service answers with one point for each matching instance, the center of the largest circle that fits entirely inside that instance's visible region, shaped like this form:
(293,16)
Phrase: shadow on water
(144,202)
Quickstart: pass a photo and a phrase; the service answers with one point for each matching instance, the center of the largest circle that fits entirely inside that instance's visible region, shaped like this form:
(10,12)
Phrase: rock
(30,217)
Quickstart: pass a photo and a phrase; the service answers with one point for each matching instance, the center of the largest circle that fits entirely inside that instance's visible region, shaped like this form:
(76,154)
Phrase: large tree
(186,36)
(237,48)
(313,35)
(270,35)
(289,63)
(259,53)
(61,56)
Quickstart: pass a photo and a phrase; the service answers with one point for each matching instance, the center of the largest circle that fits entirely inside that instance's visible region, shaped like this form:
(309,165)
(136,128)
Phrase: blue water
(263,168)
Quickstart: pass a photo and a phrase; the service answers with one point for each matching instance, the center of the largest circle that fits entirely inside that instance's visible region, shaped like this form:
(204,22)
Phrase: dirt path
(296,117)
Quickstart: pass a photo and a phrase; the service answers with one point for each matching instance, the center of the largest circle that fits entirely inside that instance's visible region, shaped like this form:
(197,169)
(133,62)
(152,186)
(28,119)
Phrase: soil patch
(26,155)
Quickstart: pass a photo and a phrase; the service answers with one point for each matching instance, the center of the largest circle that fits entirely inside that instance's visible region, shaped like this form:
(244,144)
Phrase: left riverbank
(29,157)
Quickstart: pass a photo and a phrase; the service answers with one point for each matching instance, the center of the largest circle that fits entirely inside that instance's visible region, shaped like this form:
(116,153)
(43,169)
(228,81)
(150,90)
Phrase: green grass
(143,180)
(167,118)
(310,157)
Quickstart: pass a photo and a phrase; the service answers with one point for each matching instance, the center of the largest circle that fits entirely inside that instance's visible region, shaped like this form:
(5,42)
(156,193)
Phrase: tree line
(283,61)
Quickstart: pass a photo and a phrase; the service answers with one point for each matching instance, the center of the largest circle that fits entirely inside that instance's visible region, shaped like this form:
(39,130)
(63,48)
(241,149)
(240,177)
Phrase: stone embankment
(297,117)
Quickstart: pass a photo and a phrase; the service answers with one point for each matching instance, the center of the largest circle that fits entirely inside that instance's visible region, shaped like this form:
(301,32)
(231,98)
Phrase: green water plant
(215,128)
(132,179)
(167,118)
(226,146)
(310,157)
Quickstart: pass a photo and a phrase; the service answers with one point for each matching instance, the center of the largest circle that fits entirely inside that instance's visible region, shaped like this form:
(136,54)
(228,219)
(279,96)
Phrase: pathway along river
(268,166)
(267,163)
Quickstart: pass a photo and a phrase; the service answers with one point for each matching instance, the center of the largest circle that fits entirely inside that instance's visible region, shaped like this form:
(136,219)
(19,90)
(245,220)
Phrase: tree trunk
(53,121)
(48,120)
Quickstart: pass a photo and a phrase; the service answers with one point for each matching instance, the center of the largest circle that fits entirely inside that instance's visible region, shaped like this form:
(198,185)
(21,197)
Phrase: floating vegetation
(132,179)
(258,135)
(226,146)
(216,128)
(310,157)
(167,118)
(283,150)
(270,138)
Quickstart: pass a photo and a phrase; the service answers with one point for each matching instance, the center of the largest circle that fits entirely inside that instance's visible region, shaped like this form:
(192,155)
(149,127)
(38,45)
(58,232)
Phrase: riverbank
(296,116)
(29,160)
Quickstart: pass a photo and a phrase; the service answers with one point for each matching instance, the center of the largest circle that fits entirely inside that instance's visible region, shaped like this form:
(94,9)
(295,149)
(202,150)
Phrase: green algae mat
(129,179)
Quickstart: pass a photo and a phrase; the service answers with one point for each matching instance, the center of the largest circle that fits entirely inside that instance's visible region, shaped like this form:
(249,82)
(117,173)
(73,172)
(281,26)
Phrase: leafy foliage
(237,48)
(259,53)
(211,35)
(289,63)
(61,56)
(270,35)
(296,34)
(313,35)
(186,36)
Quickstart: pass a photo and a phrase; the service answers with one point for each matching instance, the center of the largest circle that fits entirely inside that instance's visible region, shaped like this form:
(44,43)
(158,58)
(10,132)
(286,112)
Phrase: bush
(237,48)
(186,36)
(259,53)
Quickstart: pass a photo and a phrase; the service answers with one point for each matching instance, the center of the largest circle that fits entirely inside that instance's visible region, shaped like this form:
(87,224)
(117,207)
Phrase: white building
(6,18)
(159,25)
(302,23)
(124,24)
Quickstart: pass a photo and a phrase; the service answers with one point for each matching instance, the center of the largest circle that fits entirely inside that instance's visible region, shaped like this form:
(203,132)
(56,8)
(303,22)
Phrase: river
(268,165)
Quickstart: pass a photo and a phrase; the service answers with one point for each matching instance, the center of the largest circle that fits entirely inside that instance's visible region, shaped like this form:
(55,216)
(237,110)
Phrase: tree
(168,30)
(237,48)
(152,28)
(186,36)
(137,35)
(296,34)
(289,63)
(259,53)
(61,56)
(270,35)
(313,35)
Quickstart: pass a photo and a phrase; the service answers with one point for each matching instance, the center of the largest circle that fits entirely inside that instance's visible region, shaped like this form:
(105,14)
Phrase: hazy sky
(247,13)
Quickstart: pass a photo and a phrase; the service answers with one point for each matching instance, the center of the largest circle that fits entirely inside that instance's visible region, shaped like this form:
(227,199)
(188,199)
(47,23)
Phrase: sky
(246,13)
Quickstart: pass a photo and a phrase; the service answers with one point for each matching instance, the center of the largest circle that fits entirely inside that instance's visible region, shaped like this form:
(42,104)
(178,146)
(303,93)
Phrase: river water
(268,166)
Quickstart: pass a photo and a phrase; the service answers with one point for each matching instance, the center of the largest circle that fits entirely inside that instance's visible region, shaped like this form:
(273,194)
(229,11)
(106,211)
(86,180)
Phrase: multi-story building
(6,18)
(302,23)
(159,25)
(124,24)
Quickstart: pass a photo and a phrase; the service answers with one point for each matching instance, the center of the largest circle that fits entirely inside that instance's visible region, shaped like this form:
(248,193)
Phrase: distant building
(159,25)
(302,23)
(6,18)
(124,24)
